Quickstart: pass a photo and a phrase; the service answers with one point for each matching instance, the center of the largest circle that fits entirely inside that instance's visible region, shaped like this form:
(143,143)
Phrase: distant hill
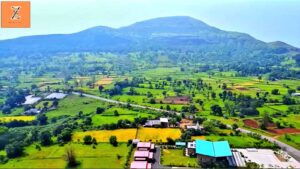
(180,33)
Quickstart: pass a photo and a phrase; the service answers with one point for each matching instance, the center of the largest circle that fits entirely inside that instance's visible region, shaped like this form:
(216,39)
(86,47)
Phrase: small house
(152,123)
(164,122)
(135,142)
(32,112)
(140,165)
(143,156)
(145,146)
(196,127)
(191,148)
(180,144)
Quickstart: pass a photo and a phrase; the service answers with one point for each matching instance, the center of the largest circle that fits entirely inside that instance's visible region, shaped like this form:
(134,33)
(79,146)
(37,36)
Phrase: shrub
(87,139)
(113,141)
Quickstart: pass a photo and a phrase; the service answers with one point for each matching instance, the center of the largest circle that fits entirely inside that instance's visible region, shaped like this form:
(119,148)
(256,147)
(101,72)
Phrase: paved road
(156,156)
(289,149)
(123,103)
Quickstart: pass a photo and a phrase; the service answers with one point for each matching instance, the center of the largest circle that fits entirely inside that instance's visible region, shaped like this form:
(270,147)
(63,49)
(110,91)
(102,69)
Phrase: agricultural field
(123,135)
(176,157)
(108,116)
(18,118)
(158,134)
(103,155)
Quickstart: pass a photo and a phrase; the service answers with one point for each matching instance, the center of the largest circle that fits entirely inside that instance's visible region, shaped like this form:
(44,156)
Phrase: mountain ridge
(164,33)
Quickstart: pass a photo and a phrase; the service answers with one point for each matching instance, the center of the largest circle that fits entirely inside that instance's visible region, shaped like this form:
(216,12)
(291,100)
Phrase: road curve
(289,149)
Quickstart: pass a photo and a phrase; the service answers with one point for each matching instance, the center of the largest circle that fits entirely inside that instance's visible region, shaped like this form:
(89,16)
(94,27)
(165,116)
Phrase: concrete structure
(140,165)
(162,122)
(196,127)
(191,148)
(152,123)
(135,142)
(209,152)
(56,96)
(295,94)
(30,100)
(180,144)
(266,158)
(143,156)
(32,112)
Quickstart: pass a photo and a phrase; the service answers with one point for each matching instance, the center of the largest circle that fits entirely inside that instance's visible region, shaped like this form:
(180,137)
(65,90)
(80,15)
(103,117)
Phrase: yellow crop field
(123,135)
(198,138)
(23,118)
(158,134)
(104,81)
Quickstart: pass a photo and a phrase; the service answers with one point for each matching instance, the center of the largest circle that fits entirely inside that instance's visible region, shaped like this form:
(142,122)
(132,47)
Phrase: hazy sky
(267,20)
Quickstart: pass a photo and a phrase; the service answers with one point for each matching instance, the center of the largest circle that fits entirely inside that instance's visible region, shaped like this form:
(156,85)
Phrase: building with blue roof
(208,151)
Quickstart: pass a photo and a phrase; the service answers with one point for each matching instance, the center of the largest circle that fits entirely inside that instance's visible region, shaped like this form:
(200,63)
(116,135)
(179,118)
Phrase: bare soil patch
(251,123)
(177,100)
(285,131)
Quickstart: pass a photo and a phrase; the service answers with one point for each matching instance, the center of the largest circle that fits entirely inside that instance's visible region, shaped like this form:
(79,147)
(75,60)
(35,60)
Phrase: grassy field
(72,104)
(242,141)
(158,134)
(11,118)
(108,116)
(175,157)
(293,141)
(103,156)
(123,135)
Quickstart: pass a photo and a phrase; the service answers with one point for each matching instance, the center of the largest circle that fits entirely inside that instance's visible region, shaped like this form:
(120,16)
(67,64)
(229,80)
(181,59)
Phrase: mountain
(167,33)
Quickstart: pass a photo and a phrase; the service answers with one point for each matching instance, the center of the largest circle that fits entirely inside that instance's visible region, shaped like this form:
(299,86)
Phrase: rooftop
(213,149)
(139,165)
(141,154)
(56,96)
(180,143)
(164,120)
(144,144)
(191,145)
(31,100)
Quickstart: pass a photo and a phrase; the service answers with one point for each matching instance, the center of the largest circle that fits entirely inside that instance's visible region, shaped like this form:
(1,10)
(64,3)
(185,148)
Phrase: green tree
(45,138)
(65,136)
(229,107)
(14,150)
(100,110)
(113,141)
(87,139)
(42,119)
(216,110)
(275,92)
(88,121)
(116,113)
